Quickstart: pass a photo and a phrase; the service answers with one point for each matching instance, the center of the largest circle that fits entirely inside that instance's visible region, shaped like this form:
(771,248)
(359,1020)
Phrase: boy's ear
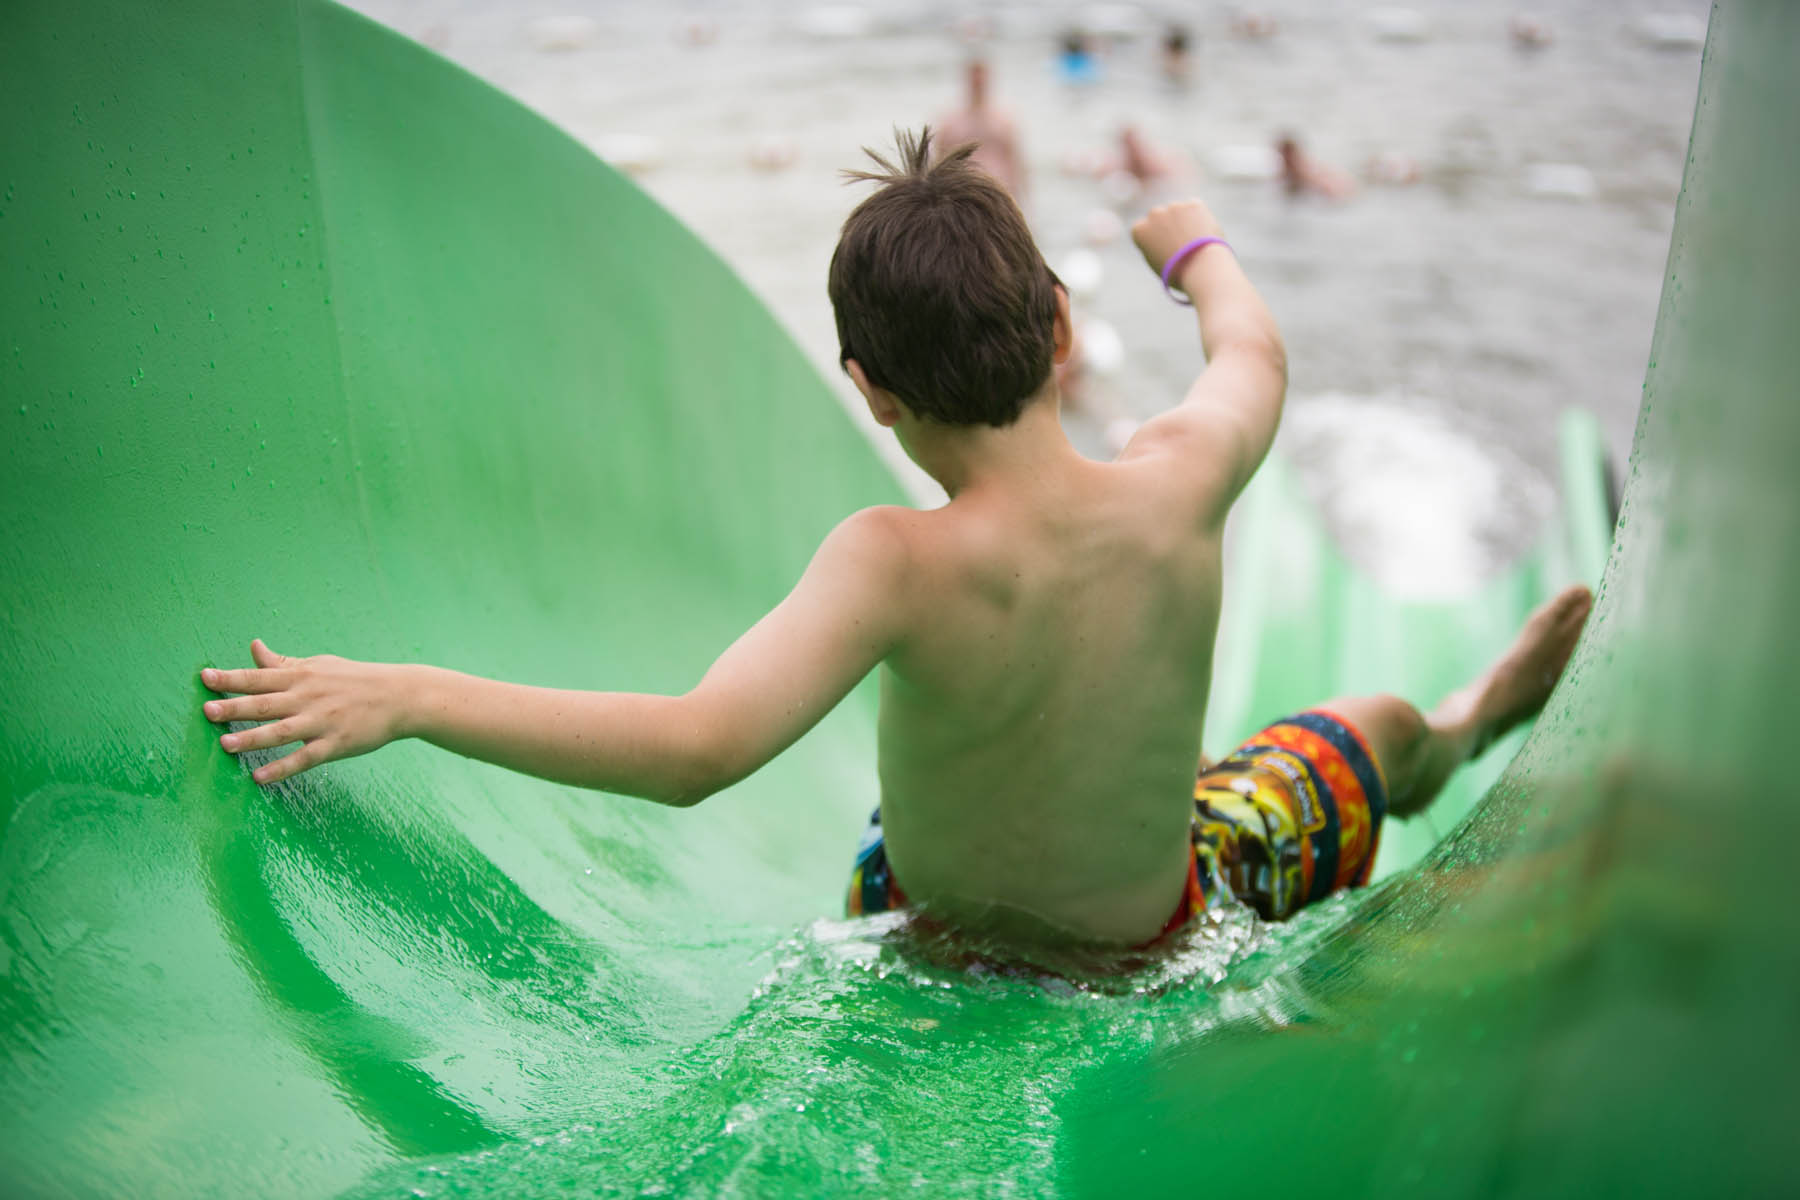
(1063,327)
(884,406)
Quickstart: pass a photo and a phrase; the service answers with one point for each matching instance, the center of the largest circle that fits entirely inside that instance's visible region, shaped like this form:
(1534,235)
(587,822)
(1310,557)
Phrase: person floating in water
(1045,638)
(1176,56)
(1300,173)
(1077,62)
(1154,169)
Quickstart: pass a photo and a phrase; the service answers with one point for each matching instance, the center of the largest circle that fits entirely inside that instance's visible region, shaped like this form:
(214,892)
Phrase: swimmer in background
(1529,33)
(1155,168)
(1076,61)
(1253,26)
(1301,174)
(991,128)
(1175,58)
(1045,639)
(1136,172)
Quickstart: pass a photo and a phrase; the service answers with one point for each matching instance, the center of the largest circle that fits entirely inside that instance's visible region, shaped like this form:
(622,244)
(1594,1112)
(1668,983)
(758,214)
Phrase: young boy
(1046,636)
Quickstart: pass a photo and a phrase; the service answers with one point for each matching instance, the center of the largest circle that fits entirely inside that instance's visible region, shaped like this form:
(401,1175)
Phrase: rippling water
(857,1065)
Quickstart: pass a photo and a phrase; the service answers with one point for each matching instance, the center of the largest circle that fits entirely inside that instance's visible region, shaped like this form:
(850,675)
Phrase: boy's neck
(1030,452)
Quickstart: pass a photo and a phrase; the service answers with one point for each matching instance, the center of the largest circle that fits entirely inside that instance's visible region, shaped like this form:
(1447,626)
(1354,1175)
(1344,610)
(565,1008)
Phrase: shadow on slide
(308,335)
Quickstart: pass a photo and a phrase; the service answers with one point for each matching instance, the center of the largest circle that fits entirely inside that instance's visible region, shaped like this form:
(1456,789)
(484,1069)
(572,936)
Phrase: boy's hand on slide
(337,707)
(1167,228)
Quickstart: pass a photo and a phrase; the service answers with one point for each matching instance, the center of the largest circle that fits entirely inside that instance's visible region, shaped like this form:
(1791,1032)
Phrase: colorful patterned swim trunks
(1291,816)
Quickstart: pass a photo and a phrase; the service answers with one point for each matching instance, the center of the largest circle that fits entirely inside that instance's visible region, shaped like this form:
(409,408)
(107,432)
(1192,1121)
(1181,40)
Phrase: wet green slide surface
(310,336)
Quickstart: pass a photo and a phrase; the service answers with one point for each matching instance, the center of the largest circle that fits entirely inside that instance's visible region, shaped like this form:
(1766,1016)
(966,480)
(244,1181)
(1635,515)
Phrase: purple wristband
(1176,259)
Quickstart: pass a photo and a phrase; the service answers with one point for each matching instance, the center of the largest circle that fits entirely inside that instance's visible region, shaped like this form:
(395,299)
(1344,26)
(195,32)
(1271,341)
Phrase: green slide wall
(309,336)
(312,337)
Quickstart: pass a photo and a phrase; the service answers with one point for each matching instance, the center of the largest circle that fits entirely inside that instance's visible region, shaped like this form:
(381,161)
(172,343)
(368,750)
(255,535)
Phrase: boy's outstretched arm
(1230,414)
(774,683)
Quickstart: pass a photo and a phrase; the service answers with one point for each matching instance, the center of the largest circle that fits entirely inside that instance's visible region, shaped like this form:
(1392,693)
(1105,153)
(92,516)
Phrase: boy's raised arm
(1230,414)
(772,685)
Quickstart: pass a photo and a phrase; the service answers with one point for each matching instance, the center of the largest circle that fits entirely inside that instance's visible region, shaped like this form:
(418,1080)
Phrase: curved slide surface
(310,336)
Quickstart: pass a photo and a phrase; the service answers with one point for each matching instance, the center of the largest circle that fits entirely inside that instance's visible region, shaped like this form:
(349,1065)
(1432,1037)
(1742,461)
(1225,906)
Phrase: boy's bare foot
(1515,687)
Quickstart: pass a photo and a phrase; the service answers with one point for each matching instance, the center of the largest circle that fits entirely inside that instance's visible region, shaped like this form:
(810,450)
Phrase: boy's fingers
(305,758)
(265,657)
(276,733)
(247,679)
(262,707)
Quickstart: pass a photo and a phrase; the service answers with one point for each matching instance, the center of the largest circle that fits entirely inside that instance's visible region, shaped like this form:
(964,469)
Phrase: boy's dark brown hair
(940,293)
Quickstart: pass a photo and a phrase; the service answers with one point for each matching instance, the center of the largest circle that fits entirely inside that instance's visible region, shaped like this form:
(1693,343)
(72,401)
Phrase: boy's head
(941,295)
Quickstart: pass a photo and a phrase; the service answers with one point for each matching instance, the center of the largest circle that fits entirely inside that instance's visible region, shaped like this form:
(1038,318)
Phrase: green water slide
(310,336)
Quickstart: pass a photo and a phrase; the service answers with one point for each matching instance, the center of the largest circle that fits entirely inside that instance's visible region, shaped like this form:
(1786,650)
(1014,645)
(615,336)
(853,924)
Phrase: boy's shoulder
(1189,459)
(879,529)
(906,550)
(882,542)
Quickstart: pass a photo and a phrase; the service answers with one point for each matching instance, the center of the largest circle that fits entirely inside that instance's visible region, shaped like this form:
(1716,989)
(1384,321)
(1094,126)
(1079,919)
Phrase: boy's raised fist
(1168,227)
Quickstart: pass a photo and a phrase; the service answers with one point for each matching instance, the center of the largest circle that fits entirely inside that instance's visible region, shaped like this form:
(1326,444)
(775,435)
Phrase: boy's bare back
(1041,715)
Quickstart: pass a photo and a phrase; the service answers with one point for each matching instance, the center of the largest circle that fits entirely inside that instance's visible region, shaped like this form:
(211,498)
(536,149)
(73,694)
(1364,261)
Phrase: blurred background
(1467,238)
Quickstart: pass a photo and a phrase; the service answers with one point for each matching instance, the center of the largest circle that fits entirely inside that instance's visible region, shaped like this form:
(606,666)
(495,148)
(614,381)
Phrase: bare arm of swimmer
(1229,416)
(772,685)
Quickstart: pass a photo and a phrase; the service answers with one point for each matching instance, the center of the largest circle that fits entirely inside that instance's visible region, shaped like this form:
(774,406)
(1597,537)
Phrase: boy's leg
(1417,752)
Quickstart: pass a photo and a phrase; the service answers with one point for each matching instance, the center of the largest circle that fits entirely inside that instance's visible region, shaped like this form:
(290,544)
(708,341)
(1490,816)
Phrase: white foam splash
(1416,501)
